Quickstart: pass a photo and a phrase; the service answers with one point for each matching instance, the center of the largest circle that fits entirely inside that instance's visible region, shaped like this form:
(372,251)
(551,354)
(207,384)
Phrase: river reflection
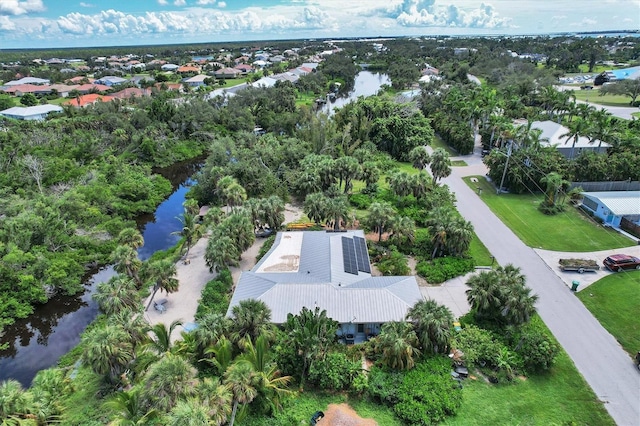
(366,84)
(38,341)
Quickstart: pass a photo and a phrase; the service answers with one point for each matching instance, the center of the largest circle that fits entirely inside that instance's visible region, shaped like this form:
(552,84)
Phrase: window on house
(360,328)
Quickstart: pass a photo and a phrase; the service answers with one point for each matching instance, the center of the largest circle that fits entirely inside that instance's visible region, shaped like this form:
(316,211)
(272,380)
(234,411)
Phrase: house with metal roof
(613,206)
(555,134)
(331,271)
(38,112)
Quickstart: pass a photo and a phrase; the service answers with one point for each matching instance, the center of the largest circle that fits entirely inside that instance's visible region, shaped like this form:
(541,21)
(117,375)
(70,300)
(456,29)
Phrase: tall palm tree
(115,295)
(190,231)
(133,323)
(131,237)
(337,210)
(221,354)
(108,351)
(433,324)
(403,230)
(271,385)
(419,157)
(315,206)
(577,128)
(398,345)
(381,215)
(400,183)
(125,261)
(163,276)
(241,379)
(13,400)
(440,165)
(190,412)
(220,253)
(167,381)
(251,318)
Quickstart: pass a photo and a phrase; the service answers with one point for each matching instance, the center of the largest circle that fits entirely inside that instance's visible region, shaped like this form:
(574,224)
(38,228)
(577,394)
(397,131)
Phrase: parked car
(620,262)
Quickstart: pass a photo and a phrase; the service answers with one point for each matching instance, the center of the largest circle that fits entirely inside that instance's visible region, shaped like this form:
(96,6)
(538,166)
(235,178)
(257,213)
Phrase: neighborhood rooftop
(328,270)
(620,203)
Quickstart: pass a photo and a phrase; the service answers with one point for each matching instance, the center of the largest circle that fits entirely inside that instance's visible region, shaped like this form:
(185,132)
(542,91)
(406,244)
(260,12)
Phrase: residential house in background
(554,134)
(29,80)
(227,73)
(38,112)
(196,80)
(110,80)
(614,207)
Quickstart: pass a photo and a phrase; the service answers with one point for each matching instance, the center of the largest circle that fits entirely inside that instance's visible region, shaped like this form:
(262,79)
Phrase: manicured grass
(567,231)
(584,69)
(480,254)
(230,82)
(458,163)
(593,96)
(561,397)
(439,143)
(614,301)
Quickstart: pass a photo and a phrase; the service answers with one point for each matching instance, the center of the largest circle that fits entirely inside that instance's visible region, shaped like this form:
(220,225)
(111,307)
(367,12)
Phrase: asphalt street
(607,368)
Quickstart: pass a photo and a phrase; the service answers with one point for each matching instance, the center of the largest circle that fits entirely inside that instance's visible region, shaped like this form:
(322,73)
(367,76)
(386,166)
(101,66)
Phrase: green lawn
(559,398)
(567,231)
(480,254)
(439,143)
(593,96)
(614,301)
(458,163)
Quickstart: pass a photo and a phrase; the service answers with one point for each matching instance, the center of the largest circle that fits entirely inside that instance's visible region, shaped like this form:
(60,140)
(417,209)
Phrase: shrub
(537,349)
(427,394)
(215,295)
(444,268)
(394,263)
(335,372)
(384,385)
(360,201)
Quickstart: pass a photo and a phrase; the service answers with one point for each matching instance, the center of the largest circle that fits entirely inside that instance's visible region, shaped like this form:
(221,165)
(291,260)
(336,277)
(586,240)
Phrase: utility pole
(506,164)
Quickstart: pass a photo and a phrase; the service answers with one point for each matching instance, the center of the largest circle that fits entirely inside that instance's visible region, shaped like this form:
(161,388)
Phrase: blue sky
(69,23)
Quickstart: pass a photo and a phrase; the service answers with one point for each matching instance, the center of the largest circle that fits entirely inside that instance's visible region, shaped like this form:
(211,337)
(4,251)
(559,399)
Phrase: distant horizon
(47,24)
(632,33)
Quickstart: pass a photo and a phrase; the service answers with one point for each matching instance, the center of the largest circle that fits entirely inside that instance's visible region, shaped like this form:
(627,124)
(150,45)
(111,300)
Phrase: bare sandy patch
(344,415)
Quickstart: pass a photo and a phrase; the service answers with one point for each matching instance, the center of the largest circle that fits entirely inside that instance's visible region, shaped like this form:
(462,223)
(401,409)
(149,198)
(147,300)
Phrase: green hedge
(215,295)
(444,268)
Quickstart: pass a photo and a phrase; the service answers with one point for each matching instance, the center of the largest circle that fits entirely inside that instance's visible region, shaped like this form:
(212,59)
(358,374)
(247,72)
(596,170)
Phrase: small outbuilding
(613,206)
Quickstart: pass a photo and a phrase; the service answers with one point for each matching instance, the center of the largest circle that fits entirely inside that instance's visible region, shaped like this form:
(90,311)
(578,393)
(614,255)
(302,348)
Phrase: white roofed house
(38,112)
(331,271)
(554,134)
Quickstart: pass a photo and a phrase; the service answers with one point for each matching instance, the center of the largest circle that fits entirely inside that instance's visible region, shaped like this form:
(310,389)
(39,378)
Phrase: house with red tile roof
(188,68)
(86,100)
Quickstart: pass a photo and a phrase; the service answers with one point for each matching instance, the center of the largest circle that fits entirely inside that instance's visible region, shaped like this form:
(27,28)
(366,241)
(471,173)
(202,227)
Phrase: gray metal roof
(553,135)
(321,281)
(620,203)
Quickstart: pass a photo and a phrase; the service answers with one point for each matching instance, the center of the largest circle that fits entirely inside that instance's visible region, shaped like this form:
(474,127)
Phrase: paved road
(605,366)
(622,112)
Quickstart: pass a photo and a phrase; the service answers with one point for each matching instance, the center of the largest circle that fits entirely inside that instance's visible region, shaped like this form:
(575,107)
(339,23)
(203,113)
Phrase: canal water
(38,342)
(366,84)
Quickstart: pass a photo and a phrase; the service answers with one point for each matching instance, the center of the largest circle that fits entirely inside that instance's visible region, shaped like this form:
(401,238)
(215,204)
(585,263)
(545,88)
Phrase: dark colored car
(620,262)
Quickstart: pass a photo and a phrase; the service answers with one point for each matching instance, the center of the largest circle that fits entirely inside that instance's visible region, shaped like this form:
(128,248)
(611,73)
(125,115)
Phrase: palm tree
(14,402)
(128,409)
(125,261)
(241,379)
(577,128)
(403,229)
(337,209)
(555,183)
(133,323)
(419,157)
(440,164)
(161,337)
(222,354)
(131,237)
(271,385)
(251,318)
(420,184)
(400,183)
(167,381)
(108,351)
(191,412)
(220,253)
(381,215)
(218,398)
(370,175)
(190,231)
(398,345)
(115,295)
(347,169)
(315,206)
(162,274)
(433,324)
(437,225)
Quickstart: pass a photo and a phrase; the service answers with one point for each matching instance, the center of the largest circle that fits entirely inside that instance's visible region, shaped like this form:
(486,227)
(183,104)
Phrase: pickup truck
(579,265)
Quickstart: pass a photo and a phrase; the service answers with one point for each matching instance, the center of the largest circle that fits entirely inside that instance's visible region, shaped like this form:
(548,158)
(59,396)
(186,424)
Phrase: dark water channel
(366,84)
(38,342)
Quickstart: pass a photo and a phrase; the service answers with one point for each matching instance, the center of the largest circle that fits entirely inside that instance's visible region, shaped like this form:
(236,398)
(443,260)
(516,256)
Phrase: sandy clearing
(344,415)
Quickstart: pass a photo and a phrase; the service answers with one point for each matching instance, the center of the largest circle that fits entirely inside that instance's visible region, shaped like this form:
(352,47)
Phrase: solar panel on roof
(349,256)
(362,255)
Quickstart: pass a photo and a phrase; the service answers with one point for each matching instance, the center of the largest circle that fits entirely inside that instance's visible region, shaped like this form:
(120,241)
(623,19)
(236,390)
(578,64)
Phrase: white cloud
(205,2)
(586,23)
(426,13)
(179,2)
(222,4)
(17,7)
(6,24)
(83,4)
(163,2)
